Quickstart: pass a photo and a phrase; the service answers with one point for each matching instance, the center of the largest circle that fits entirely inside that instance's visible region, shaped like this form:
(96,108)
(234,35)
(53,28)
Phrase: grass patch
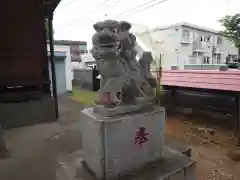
(84,96)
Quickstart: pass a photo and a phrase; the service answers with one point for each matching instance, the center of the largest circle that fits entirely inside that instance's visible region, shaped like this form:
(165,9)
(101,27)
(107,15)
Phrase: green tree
(232,29)
(47,28)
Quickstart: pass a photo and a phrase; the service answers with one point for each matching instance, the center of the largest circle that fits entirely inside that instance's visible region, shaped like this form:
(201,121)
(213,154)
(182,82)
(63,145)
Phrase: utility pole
(159,75)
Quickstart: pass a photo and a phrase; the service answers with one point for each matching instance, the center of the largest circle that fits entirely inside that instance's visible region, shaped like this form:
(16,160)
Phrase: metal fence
(83,78)
(203,66)
(204,103)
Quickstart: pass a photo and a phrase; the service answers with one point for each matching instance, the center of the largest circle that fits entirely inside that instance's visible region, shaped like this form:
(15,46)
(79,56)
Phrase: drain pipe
(51,58)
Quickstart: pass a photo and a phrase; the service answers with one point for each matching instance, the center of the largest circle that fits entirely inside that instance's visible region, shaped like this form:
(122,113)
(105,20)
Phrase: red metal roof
(205,79)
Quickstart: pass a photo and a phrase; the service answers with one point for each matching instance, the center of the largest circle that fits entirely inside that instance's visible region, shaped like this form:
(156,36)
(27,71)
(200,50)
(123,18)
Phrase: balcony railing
(217,50)
(202,66)
(186,40)
(200,47)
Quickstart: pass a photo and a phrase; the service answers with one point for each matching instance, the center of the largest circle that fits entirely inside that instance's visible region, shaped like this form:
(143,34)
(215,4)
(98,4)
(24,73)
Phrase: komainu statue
(124,80)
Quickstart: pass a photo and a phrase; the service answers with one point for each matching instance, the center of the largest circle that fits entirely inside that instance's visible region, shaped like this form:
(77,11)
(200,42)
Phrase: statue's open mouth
(108,43)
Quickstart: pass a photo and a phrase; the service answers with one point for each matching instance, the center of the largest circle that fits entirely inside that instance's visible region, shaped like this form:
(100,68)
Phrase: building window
(202,39)
(186,34)
(75,53)
(218,58)
(206,60)
(83,47)
(219,40)
(209,38)
(82,51)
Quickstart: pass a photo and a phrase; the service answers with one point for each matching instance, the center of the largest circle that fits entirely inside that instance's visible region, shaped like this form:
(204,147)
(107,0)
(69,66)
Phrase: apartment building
(185,43)
(77,48)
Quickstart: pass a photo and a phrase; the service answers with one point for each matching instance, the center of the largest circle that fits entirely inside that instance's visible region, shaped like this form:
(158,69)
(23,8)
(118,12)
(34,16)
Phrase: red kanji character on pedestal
(141,136)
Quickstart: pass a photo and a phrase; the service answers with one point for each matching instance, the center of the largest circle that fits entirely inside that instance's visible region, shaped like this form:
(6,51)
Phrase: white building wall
(224,48)
(165,42)
(144,43)
(169,42)
(186,49)
(68,65)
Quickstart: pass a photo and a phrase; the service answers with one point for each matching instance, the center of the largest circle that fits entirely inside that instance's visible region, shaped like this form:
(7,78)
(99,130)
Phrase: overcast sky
(73,19)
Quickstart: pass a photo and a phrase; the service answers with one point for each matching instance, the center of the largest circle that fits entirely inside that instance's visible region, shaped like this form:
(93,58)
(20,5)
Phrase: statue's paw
(110,105)
(97,102)
(118,102)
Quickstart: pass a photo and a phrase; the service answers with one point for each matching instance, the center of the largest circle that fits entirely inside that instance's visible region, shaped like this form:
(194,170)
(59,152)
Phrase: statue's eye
(115,30)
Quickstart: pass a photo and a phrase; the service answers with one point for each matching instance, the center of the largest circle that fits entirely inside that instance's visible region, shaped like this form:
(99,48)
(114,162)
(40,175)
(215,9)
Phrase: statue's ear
(125,25)
(147,56)
(96,27)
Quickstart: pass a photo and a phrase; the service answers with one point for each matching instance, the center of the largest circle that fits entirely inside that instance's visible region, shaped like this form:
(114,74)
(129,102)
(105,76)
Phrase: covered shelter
(26,94)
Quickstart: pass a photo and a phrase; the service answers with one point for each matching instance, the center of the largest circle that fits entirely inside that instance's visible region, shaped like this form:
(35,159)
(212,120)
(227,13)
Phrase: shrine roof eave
(50,6)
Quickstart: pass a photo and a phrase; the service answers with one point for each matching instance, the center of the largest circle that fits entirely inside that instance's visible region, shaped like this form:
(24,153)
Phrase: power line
(89,11)
(125,12)
(67,4)
(97,7)
(141,5)
(132,9)
(70,2)
(118,1)
(148,7)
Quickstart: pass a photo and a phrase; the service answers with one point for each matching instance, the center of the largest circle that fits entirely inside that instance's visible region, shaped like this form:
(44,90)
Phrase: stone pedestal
(115,146)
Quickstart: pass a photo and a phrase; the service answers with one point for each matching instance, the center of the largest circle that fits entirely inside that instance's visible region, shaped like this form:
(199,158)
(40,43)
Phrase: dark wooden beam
(51,58)
(50,6)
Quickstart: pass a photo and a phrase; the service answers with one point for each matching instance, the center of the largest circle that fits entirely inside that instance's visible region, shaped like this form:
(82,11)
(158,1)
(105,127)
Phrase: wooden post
(51,58)
(234,154)
(159,74)
(238,118)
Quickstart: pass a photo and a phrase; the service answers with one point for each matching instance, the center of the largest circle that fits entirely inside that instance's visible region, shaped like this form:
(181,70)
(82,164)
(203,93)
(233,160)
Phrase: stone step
(182,148)
(174,166)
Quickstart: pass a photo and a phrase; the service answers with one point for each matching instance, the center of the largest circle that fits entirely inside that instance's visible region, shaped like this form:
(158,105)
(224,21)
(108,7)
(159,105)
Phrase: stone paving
(34,150)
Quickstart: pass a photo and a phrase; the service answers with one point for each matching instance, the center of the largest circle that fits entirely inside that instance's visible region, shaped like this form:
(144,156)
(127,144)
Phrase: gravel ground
(210,145)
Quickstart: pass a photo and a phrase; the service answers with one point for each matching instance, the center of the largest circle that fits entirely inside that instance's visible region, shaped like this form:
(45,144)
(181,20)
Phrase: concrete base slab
(173,166)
